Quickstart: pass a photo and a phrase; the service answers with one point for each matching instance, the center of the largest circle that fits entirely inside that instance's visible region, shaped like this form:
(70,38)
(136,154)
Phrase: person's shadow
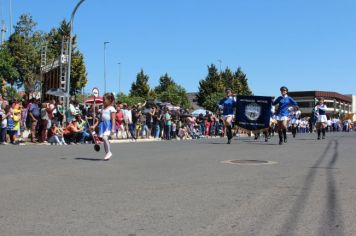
(88,159)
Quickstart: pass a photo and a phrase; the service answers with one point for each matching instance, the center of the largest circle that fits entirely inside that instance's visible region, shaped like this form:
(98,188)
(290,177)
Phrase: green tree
(140,88)
(211,84)
(78,73)
(12,94)
(8,71)
(24,47)
(212,100)
(227,77)
(78,68)
(243,87)
(176,95)
(169,91)
(164,82)
(212,89)
(130,100)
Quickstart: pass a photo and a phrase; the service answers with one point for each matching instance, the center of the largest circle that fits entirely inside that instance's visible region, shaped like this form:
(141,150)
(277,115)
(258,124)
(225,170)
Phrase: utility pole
(70,51)
(10,6)
(3,30)
(119,77)
(105,66)
(219,64)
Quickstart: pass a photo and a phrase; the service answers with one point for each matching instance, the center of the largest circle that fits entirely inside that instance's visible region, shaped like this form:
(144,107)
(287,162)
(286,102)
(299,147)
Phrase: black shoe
(293,135)
(285,139)
(318,138)
(280,142)
(266,139)
(229,141)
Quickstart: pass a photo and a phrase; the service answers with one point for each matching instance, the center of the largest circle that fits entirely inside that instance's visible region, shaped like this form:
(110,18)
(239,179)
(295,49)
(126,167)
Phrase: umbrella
(58,92)
(98,100)
(172,108)
(200,111)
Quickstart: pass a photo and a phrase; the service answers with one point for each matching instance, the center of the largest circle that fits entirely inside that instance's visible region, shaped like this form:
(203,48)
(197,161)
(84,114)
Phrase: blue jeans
(85,136)
(167,132)
(157,131)
(3,135)
(132,130)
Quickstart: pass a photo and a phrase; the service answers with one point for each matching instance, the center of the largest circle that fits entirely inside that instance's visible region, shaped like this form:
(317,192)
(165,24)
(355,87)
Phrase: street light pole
(119,77)
(220,64)
(10,6)
(105,66)
(70,50)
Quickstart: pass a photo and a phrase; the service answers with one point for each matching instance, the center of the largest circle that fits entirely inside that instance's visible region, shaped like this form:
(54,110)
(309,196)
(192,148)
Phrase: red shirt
(119,118)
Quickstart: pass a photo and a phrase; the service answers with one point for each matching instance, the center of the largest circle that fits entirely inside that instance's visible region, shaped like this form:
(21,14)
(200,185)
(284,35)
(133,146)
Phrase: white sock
(106,144)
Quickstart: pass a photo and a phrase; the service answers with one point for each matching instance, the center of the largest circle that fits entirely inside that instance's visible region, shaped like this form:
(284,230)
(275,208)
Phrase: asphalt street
(181,188)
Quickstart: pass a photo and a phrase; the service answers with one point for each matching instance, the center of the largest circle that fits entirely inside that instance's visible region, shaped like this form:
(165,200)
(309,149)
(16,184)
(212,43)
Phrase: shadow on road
(88,159)
(329,219)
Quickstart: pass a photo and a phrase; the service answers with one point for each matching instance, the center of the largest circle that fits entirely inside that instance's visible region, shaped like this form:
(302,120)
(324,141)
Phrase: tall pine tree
(140,88)
(212,84)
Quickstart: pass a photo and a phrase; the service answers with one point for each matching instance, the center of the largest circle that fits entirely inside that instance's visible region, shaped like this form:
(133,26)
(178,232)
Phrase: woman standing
(282,113)
(228,105)
(322,120)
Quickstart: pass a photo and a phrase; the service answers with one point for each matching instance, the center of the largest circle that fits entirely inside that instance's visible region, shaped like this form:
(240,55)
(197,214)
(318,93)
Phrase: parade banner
(253,112)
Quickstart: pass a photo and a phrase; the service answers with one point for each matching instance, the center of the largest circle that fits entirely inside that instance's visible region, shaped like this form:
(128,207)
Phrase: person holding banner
(228,104)
(282,113)
(322,120)
(295,119)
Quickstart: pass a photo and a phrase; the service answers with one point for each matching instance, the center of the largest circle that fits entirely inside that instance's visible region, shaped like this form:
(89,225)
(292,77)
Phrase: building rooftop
(325,94)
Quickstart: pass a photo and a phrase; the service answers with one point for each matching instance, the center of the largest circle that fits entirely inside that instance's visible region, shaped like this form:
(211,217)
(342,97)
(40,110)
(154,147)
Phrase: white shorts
(322,119)
(227,116)
(282,118)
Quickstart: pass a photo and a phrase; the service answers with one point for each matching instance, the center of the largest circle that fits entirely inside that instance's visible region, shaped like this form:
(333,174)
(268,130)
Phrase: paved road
(181,188)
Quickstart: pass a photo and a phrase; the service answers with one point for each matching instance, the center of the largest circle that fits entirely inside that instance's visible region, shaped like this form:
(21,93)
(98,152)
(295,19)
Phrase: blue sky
(303,44)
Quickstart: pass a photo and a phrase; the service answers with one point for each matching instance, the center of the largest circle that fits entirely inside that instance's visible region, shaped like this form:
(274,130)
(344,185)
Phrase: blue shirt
(284,103)
(228,105)
(35,110)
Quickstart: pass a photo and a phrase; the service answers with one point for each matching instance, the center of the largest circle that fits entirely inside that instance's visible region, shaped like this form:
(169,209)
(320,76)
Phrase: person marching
(228,104)
(295,119)
(322,120)
(107,122)
(282,113)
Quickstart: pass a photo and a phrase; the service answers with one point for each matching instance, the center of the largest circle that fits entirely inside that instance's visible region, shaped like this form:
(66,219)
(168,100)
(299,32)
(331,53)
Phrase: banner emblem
(253,111)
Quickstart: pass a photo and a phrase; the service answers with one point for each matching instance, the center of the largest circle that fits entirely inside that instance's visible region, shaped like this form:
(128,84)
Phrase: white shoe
(107,156)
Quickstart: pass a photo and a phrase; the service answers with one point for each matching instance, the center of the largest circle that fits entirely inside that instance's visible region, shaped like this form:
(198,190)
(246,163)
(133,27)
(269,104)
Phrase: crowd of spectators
(47,122)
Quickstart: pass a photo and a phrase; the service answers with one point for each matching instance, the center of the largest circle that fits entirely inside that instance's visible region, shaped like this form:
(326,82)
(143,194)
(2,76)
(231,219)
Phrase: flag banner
(253,112)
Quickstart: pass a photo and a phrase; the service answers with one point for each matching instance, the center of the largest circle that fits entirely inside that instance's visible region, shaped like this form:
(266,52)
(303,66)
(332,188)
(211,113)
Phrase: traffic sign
(95,92)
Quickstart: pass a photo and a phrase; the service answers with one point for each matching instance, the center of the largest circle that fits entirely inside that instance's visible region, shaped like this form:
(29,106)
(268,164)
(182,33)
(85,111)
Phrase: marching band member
(228,104)
(282,113)
(295,114)
(107,122)
(321,123)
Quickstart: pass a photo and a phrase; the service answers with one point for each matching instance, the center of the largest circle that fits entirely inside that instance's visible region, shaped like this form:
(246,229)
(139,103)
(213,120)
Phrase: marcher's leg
(323,131)
(285,130)
(228,129)
(280,132)
(265,132)
(107,147)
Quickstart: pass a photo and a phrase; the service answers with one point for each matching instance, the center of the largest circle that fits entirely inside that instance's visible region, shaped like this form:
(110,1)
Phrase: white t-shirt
(106,113)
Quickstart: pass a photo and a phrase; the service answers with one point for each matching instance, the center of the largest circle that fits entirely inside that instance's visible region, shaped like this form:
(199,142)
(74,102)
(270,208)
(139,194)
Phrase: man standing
(35,114)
